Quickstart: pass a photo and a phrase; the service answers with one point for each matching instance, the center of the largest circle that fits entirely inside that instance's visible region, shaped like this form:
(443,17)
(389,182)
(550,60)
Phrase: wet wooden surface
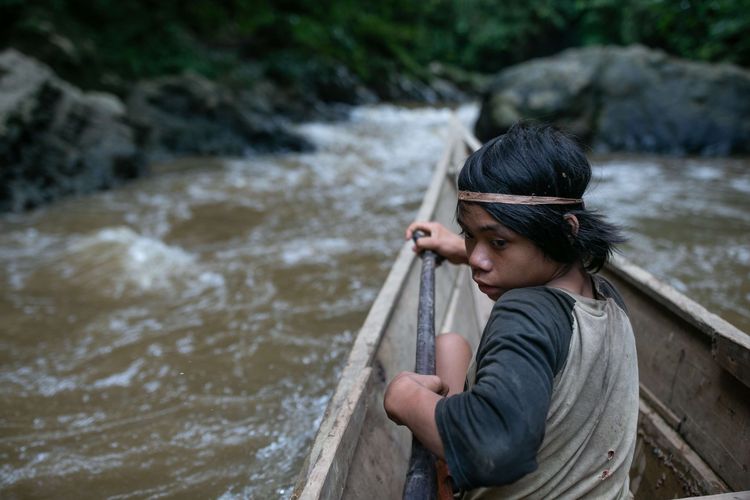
(707,405)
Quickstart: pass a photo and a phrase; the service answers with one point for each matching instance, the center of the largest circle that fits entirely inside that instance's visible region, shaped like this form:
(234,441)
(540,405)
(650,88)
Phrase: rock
(626,99)
(469,82)
(327,90)
(56,140)
(190,115)
(296,102)
(339,85)
(397,87)
(447,91)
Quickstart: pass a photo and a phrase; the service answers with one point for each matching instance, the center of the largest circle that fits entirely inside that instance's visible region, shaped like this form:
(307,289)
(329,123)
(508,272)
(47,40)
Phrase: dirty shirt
(551,405)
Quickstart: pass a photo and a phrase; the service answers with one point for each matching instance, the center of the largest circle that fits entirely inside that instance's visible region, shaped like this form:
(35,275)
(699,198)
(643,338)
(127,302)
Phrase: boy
(548,408)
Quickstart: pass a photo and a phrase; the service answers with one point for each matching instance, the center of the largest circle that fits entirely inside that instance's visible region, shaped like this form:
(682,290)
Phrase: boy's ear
(573,221)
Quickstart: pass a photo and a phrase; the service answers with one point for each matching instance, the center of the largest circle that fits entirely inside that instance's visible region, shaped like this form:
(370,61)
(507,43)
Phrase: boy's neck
(574,279)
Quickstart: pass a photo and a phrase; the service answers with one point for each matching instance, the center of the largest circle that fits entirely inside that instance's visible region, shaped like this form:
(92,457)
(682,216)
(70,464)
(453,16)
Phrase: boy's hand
(402,392)
(440,239)
(410,399)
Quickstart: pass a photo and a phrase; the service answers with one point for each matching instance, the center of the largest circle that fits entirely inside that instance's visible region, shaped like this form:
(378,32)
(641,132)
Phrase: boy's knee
(452,359)
(452,342)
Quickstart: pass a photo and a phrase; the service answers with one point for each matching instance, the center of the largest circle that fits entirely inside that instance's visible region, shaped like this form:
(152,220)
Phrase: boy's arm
(491,433)
(410,400)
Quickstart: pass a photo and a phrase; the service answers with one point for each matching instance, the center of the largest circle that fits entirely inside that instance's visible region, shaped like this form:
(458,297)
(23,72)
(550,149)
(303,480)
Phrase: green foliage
(708,30)
(86,39)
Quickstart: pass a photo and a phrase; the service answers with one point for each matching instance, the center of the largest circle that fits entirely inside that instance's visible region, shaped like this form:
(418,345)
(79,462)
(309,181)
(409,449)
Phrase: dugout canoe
(694,424)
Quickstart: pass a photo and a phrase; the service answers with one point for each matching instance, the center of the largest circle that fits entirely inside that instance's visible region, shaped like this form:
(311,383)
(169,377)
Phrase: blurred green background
(98,43)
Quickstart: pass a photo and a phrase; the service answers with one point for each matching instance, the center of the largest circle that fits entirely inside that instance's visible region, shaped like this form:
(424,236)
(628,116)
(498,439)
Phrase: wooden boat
(694,426)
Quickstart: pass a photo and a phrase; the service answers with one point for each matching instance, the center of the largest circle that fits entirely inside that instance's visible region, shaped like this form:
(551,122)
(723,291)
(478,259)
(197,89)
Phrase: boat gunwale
(319,461)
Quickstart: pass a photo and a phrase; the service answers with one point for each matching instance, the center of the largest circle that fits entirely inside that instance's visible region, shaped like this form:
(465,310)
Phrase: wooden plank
(662,409)
(733,354)
(328,473)
(708,407)
(674,465)
(379,463)
(731,346)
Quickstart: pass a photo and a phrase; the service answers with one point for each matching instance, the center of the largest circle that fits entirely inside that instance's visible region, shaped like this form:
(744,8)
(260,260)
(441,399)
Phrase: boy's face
(501,259)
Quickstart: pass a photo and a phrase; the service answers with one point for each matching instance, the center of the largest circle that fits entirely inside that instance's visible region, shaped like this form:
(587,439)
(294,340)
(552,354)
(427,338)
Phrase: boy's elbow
(504,462)
(498,447)
(498,470)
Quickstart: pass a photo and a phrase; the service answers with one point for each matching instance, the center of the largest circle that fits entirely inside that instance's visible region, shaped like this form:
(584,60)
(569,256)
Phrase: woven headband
(513,199)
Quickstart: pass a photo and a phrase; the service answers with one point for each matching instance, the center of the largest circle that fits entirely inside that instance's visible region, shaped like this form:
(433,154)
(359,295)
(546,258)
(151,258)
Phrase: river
(181,335)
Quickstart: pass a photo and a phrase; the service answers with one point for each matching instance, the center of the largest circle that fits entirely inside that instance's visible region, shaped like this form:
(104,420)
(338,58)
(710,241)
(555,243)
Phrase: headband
(513,199)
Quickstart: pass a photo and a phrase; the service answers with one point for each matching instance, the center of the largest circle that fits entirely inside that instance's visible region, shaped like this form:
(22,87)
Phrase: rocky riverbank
(58,140)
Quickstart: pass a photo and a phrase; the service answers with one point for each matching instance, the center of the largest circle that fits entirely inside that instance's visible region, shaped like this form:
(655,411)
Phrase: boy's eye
(498,243)
(465,234)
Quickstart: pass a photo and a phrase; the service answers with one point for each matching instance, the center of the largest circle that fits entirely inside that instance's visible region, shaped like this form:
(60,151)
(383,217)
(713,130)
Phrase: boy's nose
(479,260)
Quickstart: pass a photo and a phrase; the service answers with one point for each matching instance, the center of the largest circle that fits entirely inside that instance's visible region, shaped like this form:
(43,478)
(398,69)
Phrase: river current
(181,335)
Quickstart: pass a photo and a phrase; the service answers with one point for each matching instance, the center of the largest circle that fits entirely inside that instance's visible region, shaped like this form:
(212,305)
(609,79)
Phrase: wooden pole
(421,477)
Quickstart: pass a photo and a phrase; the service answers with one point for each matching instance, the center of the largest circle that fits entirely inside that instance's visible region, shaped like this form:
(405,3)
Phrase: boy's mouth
(491,291)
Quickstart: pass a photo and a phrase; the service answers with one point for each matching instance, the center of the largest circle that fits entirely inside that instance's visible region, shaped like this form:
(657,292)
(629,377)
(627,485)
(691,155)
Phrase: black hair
(541,160)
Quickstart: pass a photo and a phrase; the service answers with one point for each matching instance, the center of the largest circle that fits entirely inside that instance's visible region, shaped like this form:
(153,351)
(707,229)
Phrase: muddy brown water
(180,336)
